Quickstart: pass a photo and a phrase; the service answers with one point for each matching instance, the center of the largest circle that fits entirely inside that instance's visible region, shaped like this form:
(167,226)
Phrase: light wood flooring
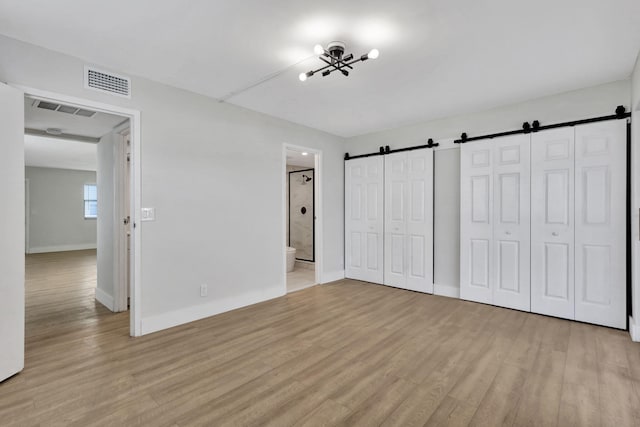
(347,353)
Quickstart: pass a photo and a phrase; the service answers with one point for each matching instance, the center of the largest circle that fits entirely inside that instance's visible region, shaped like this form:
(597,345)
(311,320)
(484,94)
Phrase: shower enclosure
(302,213)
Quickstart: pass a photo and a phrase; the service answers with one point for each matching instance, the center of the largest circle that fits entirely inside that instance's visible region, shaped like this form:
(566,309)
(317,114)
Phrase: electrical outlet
(203,290)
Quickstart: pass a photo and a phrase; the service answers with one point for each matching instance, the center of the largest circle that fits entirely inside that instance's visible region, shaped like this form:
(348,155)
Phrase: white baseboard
(170,319)
(104,298)
(634,330)
(332,276)
(62,248)
(446,290)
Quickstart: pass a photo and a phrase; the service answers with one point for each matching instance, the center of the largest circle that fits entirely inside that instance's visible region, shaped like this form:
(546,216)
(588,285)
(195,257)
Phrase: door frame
(27,214)
(317,208)
(135,326)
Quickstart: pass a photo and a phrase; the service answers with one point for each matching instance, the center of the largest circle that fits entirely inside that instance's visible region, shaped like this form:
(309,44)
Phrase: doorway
(115,188)
(301,217)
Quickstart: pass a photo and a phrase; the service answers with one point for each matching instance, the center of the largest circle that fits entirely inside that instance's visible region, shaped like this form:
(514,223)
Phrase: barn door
(409,220)
(364,219)
(600,242)
(511,215)
(476,221)
(552,222)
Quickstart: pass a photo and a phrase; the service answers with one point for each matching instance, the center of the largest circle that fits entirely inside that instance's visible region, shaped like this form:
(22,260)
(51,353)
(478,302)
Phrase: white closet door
(364,221)
(409,220)
(395,225)
(552,222)
(511,223)
(600,238)
(476,221)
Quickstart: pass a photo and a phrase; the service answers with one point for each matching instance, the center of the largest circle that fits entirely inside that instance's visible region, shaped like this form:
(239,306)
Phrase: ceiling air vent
(107,82)
(51,106)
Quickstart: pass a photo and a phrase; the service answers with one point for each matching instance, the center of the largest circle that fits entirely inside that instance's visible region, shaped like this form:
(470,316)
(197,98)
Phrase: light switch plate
(148,214)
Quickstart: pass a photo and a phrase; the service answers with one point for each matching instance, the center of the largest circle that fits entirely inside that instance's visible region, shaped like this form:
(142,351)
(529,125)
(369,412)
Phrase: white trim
(63,248)
(446,290)
(310,285)
(170,319)
(27,215)
(634,330)
(318,204)
(134,117)
(104,298)
(333,276)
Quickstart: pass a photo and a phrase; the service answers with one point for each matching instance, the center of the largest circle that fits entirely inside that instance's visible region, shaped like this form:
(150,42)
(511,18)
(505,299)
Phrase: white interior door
(552,222)
(600,212)
(12,231)
(364,219)
(408,255)
(511,223)
(476,221)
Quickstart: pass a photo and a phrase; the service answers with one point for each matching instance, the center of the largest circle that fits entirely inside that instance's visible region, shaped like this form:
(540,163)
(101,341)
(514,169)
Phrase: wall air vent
(61,108)
(107,82)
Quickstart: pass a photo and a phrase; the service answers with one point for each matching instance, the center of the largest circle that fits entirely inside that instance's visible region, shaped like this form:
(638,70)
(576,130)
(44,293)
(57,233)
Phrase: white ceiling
(97,126)
(437,57)
(59,153)
(296,158)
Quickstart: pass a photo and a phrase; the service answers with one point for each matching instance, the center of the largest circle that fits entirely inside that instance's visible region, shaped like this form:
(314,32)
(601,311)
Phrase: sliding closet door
(408,251)
(511,223)
(476,221)
(600,237)
(552,222)
(364,218)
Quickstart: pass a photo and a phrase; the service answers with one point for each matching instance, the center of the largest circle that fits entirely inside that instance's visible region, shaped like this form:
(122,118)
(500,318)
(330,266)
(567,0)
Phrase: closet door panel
(552,222)
(600,269)
(364,219)
(420,220)
(395,257)
(476,221)
(511,228)
(409,220)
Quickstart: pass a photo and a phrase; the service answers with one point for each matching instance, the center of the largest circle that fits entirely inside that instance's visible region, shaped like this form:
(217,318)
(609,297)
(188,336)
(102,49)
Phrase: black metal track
(387,150)
(526,128)
(535,126)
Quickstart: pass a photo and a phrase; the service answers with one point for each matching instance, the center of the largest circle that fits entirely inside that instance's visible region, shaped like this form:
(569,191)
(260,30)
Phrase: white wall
(634,323)
(446,219)
(56,204)
(590,102)
(213,172)
(105,177)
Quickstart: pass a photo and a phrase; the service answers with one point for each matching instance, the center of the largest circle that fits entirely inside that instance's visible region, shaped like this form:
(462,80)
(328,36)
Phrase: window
(90,201)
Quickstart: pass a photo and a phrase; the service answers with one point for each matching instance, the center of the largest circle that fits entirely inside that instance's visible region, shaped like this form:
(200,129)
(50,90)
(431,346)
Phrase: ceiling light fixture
(336,60)
(305,154)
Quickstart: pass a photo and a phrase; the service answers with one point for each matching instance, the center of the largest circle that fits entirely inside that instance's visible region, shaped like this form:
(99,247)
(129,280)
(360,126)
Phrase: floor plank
(347,353)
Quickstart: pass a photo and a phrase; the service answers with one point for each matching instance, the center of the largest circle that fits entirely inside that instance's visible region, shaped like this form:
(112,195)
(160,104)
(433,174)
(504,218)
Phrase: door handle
(555,233)
(508,233)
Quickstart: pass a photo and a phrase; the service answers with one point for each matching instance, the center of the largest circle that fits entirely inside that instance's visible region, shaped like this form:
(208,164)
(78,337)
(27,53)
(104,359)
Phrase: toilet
(291,259)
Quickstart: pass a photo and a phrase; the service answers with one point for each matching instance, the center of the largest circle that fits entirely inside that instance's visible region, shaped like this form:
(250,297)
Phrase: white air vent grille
(52,106)
(107,82)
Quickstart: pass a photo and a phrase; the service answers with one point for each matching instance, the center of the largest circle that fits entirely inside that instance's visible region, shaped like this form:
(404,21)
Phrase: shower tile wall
(301,225)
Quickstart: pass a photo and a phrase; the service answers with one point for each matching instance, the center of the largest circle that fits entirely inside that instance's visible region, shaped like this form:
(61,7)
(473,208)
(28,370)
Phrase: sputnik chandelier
(336,60)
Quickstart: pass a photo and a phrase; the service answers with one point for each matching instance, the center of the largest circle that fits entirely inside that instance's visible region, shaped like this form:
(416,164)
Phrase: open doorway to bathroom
(300,218)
